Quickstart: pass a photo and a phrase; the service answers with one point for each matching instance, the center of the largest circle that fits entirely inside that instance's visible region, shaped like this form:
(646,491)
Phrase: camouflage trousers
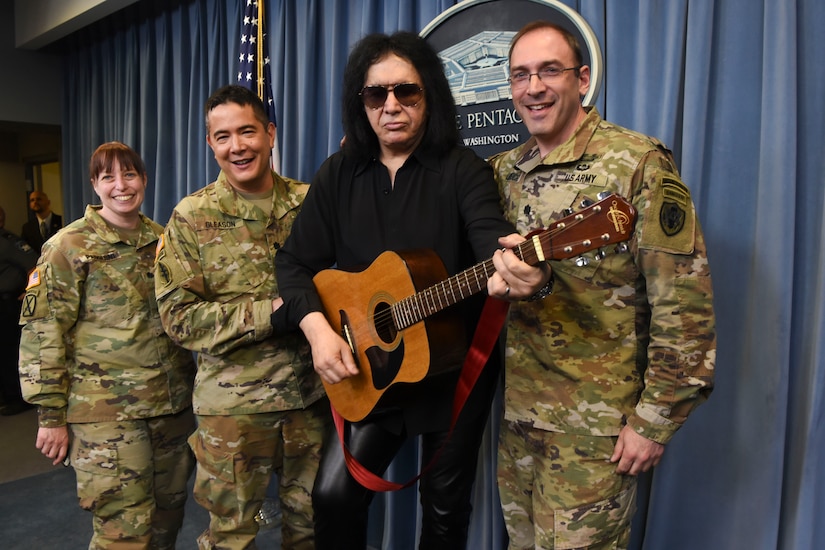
(236,456)
(132,475)
(558,491)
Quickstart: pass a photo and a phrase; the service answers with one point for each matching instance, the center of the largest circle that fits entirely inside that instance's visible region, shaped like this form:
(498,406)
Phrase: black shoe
(10,409)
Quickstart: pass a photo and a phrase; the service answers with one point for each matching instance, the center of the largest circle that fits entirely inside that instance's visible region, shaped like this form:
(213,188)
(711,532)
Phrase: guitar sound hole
(384,325)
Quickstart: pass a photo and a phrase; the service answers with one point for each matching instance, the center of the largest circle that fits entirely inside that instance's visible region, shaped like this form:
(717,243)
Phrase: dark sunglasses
(407,94)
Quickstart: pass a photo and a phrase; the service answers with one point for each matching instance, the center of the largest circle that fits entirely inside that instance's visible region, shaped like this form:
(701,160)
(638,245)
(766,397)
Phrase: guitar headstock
(610,220)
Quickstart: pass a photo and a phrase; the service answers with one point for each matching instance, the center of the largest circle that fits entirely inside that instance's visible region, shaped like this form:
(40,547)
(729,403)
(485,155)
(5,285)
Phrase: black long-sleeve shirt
(353,213)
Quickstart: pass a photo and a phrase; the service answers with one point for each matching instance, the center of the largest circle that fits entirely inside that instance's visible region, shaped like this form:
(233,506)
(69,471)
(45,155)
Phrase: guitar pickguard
(385,364)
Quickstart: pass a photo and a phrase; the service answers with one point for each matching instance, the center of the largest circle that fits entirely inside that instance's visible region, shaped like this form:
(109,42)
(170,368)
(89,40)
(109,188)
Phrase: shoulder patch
(29,306)
(163,274)
(159,247)
(675,202)
(34,278)
(33,307)
(670,221)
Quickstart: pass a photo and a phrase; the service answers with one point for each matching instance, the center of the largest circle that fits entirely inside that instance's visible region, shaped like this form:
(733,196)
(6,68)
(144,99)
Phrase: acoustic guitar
(379,311)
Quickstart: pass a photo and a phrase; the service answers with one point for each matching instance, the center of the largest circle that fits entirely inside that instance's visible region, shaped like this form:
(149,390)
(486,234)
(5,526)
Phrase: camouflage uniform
(627,339)
(256,395)
(94,355)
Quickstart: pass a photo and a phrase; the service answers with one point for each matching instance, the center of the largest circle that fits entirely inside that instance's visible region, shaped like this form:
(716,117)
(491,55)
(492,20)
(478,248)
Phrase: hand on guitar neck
(515,280)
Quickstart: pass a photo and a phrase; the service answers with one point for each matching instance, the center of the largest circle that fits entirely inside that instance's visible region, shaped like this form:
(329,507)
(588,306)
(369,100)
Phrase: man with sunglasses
(601,374)
(401,181)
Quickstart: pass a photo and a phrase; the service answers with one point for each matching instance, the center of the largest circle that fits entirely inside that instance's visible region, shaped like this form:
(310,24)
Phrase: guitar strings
(412,308)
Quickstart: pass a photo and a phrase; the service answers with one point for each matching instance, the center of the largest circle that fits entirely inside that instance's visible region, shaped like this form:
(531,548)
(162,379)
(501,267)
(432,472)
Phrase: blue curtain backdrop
(734,87)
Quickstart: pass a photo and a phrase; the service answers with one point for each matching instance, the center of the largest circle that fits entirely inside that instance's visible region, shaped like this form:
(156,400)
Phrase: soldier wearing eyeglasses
(401,182)
(601,374)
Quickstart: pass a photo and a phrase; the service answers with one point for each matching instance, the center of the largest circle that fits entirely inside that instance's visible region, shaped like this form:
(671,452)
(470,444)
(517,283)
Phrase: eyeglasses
(407,94)
(522,79)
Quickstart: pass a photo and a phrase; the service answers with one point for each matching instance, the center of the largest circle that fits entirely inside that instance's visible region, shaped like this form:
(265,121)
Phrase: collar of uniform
(288,194)
(569,151)
(233,204)
(284,199)
(109,234)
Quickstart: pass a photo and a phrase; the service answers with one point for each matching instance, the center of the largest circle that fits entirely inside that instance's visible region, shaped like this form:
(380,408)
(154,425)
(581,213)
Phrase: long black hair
(441,131)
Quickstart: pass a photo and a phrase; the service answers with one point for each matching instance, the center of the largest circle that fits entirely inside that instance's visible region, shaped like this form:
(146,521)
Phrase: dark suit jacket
(31,231)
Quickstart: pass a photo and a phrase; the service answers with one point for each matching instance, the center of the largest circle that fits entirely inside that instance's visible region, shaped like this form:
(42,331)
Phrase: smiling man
(600,374)
(259,405)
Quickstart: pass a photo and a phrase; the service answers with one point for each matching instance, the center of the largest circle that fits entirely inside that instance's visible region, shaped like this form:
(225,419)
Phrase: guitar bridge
(346,334)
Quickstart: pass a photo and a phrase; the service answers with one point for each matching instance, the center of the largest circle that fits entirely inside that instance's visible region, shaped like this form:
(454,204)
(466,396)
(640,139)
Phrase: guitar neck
(608,221)
(449,292)
(431,300)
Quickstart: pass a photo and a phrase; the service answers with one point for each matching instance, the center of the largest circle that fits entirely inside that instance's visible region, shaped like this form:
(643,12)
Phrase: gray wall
(30,97)
(30,117)
(32,79)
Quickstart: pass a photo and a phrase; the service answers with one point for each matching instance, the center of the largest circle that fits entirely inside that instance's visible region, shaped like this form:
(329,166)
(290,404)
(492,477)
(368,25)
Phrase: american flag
(253,63)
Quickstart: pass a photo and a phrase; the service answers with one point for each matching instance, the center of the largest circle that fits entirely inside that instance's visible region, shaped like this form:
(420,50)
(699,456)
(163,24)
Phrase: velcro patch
(34,278)
(170,272)
(163,273)
(670,222)
(160,245)
(29,305)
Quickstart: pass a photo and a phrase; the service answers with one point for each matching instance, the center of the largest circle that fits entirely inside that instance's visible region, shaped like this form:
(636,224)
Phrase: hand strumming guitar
(330,353)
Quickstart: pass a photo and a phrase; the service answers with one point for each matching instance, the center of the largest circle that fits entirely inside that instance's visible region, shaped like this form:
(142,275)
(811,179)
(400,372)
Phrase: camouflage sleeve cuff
(262,311)
(650,423)
(51,418)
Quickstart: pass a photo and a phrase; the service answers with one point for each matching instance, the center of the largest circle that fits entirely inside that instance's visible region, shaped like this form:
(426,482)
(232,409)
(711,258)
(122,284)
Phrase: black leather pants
(341,504)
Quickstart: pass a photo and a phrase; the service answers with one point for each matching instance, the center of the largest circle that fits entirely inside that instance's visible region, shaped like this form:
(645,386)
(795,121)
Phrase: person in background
(400,182)
(16,260)
(259,405)
(45,223)
(600,374)
(111,388)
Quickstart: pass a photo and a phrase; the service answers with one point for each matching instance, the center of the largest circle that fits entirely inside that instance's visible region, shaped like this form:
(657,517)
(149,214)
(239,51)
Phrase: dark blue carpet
(41,513)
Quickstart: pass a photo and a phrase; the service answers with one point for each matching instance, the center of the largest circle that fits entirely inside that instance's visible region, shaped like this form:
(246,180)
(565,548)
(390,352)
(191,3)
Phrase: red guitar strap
(487,331)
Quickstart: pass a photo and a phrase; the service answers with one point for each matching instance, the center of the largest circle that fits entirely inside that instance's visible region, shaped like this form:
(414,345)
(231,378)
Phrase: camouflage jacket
(93,348)
(215,282)
(629,338)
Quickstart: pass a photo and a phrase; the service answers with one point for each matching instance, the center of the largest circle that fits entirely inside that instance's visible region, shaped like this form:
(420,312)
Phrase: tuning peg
(586,202)
(581,261)
(600,254)
(621,248)
(604,194)
(567,212)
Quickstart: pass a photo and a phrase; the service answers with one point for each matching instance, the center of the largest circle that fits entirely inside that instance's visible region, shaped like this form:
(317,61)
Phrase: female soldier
(107,379)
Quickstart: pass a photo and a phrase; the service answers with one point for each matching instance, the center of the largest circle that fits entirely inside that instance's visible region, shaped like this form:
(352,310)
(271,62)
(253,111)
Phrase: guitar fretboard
(421,305)
(471,281)
(607,221)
